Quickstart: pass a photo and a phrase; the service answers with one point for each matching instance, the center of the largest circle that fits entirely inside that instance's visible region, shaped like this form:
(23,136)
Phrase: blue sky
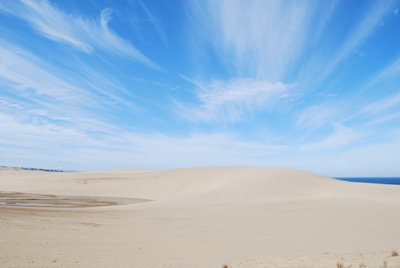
(93,85)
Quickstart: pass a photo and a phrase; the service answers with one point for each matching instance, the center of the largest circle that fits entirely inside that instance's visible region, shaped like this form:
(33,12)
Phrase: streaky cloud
(84,34)
(341,137)
(157,24)
(231,100)
(366,27)
(264,38)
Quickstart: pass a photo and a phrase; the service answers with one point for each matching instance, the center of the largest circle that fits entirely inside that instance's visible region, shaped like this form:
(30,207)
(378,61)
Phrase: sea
(379,180)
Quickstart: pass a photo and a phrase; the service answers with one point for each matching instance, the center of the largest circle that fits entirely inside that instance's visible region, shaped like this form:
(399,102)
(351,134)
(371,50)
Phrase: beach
(196,217)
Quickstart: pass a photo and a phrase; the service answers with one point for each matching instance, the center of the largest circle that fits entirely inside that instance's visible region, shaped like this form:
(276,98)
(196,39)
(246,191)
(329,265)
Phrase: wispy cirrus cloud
(384,119)
(38,80)
(274,41)
(341,137)
(230,101)
(381,93)
(382,105)
(121,148)
(84,34)
(269,39)
(391,71)
(24,73)
(38,94)
(316,116)
(263,37)
(323,61)
(365,28)
(156,23)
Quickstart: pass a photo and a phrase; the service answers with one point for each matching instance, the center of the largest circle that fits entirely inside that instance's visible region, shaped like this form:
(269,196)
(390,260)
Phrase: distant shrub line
(39,169)
(43,169)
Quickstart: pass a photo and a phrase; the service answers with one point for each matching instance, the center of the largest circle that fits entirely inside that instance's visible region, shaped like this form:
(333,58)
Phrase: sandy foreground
(198,217)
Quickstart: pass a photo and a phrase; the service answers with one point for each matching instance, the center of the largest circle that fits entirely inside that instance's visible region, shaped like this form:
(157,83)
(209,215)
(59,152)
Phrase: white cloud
(382,104)
(389,72)
(37,79)
(45,147)
(156,23)
(37,129)
(115,147)
(365,28)
(81,33)
(341,137)
(230,101)
(316,116)
(25,73)
(324,64)
(384,119)
(267,39)
(396,11)
(41,103)
(264,37)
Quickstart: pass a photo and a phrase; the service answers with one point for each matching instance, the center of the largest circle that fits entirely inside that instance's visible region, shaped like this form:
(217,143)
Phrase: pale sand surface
(200,217)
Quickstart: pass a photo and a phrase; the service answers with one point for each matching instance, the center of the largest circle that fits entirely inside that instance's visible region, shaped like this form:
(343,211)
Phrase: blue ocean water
(380,180)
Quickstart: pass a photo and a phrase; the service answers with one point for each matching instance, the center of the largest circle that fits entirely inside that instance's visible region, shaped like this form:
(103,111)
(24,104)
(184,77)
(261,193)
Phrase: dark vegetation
(38,169)
(43,169)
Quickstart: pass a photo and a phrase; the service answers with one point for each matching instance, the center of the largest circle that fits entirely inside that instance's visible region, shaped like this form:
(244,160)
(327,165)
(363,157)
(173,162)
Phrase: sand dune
(201,217)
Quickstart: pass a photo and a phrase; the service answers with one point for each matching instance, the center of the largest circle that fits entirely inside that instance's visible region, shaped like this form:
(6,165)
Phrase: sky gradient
(94,85)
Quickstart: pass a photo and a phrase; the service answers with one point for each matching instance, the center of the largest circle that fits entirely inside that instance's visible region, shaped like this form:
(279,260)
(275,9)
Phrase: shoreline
(17,199)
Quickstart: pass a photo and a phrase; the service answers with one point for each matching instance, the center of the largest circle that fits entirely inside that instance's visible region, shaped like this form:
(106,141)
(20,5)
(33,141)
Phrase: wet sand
(39,200)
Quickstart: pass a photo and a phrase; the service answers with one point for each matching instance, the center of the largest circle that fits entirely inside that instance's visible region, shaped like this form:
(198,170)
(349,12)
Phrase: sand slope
(201,217)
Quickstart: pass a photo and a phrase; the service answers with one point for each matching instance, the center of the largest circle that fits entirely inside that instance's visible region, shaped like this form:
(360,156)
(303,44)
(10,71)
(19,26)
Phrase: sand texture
(197,217)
